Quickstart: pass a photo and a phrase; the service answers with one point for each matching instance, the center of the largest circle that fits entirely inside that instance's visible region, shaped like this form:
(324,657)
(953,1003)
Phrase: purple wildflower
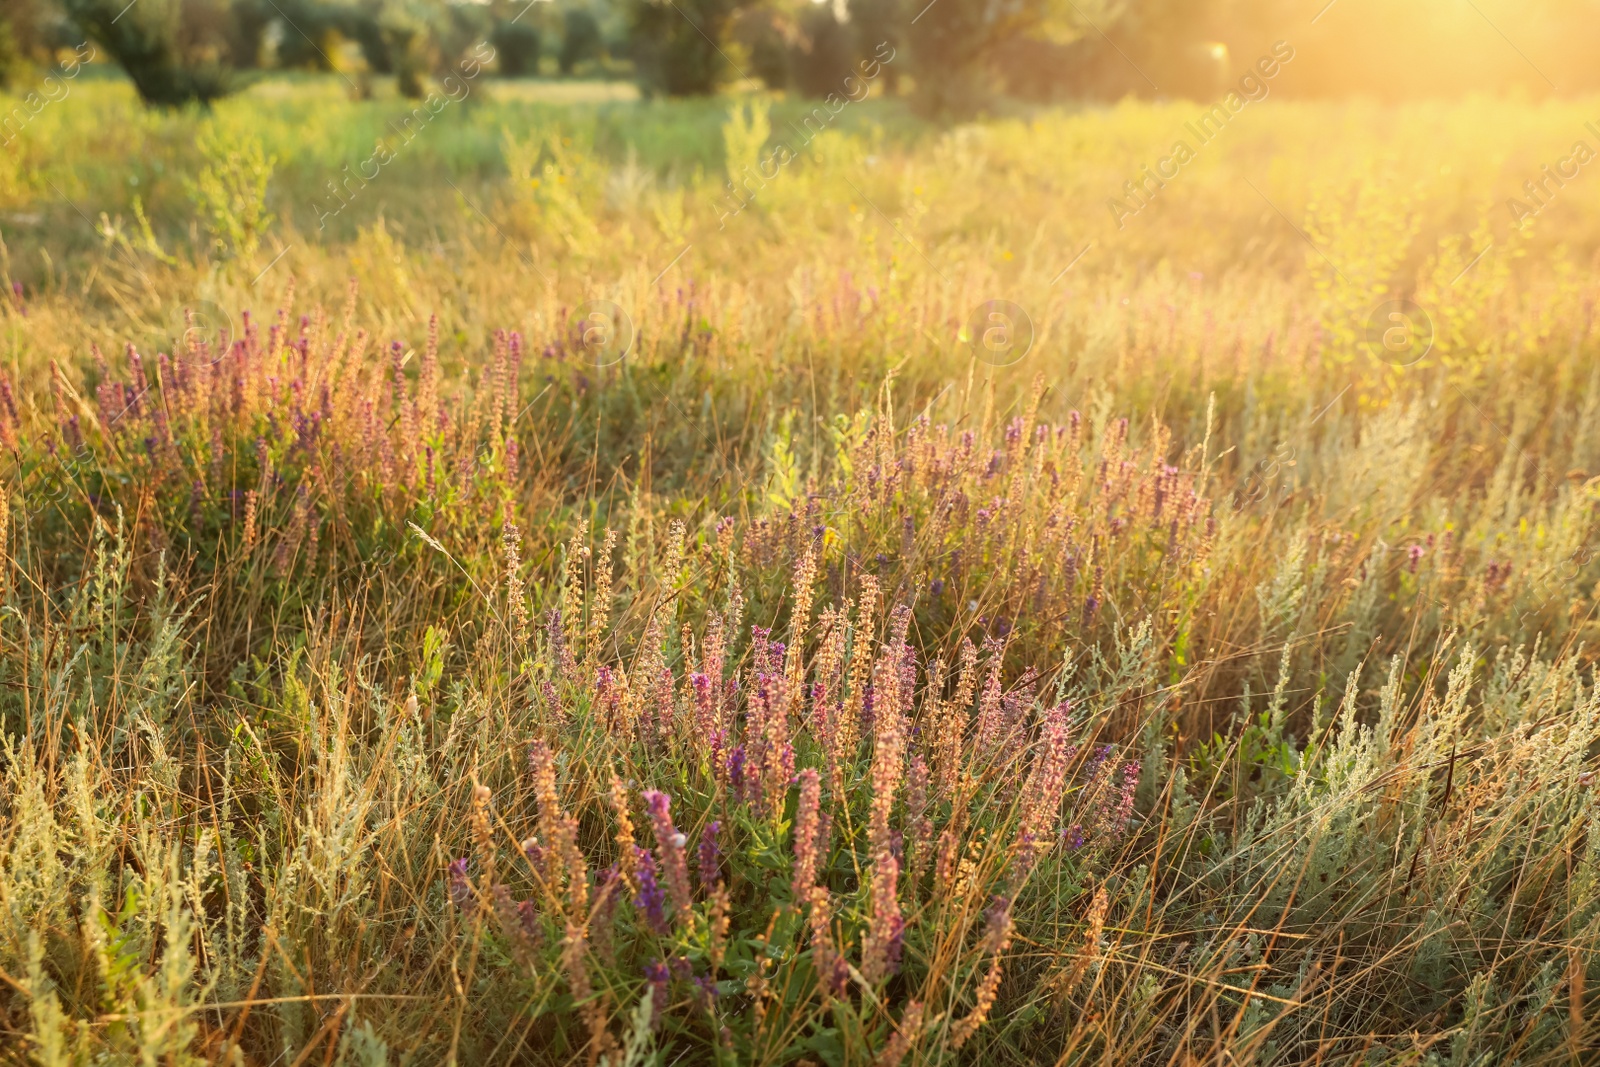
(895,943)
(528,916)
(535,853)
(657,974)
(836,973)
(705,988)
(652,898)
(460,888)
(670,842)
(710,856)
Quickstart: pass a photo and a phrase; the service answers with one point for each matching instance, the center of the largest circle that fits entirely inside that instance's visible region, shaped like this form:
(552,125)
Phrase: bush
(580,39)
(230,193)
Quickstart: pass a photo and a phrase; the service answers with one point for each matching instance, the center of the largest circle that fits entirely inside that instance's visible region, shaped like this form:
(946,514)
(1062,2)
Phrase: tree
(29,32)
(879,23)
(682,47)
(580,38)
(516,48)
(247,31)
(827,51)
(952,41)
(174,51)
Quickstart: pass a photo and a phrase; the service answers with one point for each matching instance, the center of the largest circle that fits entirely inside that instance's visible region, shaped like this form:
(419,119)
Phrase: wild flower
(705,705)
(1042,794)
(574,945)
(833,970)
(460,887)
(624,835)
(532,929)
(516,596)
(805,835)
(535,852)
(482,833)
(720,921)
(250,499)
(917,816)
(512,927)
(705,992)
(769,743)
(651,899)
(990,707)
(560,831)
(709,856)
(1089,956)
(658,976)
(609,889)
(556,639)
(903,1038)
(671,846)
(882,940)
(997,939)
(947,859)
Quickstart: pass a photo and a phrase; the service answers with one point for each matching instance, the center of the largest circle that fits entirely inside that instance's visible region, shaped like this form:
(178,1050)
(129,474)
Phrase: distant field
(551,575)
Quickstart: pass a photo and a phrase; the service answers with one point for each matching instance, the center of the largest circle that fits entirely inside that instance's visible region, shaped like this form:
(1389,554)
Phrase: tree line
(954,55)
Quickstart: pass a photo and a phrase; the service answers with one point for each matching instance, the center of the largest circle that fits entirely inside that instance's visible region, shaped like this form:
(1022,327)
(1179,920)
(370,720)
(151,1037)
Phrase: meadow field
(540,576)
